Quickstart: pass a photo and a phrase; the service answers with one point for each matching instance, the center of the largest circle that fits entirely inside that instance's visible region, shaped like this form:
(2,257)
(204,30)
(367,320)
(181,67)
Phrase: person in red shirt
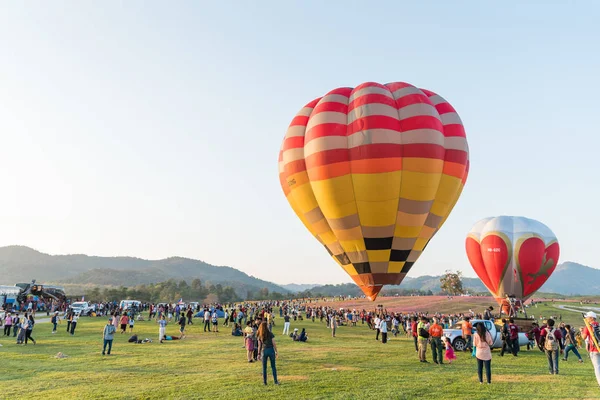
(514,336)
(534,336)
(593,350)
(413,329)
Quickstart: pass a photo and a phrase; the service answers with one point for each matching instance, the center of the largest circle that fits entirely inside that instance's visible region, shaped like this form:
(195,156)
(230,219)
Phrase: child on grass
(449,356)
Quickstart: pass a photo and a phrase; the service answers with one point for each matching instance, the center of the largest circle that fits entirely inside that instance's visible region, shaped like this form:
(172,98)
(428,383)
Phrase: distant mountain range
(296,288)
(22,264)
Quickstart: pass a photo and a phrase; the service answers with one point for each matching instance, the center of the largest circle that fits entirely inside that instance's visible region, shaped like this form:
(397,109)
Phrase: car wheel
(459,344)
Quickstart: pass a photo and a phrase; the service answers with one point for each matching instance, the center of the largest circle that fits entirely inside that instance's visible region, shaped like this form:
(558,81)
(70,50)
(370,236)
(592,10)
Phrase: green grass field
(213,366)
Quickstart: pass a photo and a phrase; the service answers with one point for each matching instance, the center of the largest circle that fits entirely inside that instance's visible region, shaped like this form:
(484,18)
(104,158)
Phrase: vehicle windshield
(78,305)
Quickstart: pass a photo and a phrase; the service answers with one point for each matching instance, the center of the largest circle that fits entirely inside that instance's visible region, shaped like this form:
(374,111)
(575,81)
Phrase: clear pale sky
(151,129)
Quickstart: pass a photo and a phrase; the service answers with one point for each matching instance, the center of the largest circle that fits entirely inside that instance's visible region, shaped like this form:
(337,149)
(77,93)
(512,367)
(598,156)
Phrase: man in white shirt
(206,320)
(377,323)
(383,330)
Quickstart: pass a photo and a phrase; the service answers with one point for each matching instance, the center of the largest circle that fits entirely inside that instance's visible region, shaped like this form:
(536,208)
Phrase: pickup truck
(455,335)
(82,308)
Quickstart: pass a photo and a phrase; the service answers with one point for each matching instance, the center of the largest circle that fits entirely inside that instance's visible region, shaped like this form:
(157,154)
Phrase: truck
(454,334)
(130,304)
(82,308)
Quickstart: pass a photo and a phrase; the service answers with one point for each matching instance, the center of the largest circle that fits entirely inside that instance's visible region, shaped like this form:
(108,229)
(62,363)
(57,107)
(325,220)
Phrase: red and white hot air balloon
(513,256)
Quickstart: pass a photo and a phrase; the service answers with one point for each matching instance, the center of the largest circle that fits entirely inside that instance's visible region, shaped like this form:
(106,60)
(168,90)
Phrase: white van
(127,304)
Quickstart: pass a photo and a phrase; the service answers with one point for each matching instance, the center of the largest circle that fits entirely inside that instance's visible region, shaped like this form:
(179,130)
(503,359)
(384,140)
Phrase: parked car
(455,335)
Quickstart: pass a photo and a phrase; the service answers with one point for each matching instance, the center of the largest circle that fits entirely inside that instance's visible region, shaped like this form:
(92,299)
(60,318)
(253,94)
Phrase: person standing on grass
(31,323)
(513,336)
(215,321)
(131,323)
(415,334)
(383,330)
(552,338)
(182,324)
(55,319)
(505,336)
(124,321)
(483,353)
(162,326)
(593,350)
(206,319)
(422,329)
(377,324)
(286,324)
(69,318)
(108,336)
(74,323)
(467,334)
(333,325)
(190,315)
(435,338)
(8,321)
(268,350)
(249,338)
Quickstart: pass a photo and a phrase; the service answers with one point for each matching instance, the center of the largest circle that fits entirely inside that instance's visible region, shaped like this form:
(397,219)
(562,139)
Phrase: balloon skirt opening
(371,291)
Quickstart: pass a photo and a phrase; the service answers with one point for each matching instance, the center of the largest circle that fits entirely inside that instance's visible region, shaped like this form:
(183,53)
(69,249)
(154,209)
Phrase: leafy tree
(451,282)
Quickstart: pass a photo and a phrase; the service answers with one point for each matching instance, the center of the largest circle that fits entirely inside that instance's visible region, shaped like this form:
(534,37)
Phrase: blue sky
(138,128)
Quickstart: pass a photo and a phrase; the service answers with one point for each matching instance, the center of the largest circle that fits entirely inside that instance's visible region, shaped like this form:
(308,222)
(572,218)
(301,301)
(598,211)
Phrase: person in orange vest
(435,337)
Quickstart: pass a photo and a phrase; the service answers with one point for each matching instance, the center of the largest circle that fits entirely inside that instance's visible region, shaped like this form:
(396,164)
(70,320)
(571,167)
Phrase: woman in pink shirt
(482,340)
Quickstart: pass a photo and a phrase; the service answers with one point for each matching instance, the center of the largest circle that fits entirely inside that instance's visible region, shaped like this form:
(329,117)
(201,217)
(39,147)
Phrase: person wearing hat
(593,350)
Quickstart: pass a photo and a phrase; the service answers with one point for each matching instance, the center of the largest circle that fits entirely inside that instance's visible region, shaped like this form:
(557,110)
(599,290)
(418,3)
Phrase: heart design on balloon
(489,259)
(536,262)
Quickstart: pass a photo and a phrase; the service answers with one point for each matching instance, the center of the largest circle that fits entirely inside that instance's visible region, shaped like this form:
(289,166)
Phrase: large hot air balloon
(373,172)
(513,256)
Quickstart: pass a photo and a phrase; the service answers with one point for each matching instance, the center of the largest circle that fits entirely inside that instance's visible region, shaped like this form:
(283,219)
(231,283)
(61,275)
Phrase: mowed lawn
(213,366)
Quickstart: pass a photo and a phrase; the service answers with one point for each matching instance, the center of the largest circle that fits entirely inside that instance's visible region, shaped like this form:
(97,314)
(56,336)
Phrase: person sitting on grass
(236,330)
(303,337)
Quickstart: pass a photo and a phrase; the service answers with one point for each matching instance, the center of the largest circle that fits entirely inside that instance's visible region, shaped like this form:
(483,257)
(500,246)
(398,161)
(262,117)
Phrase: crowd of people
(255,323)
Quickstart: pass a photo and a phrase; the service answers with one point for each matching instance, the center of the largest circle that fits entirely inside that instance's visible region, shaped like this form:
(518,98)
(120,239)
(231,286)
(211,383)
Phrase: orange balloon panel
(373,172)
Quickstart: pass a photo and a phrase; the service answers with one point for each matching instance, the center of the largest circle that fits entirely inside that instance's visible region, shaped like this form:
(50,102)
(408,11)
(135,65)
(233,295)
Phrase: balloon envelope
(373,172)
(512,255)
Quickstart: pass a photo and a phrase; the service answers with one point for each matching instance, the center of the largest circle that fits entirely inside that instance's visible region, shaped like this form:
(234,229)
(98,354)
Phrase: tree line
(168,291)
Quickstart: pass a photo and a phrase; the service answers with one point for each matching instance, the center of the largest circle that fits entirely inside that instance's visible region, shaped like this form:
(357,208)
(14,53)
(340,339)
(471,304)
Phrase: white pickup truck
(82,308)
(455,335)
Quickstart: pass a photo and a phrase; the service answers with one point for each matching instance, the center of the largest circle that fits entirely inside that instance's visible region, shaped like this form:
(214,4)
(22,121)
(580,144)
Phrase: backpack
(423,333)
(551,343)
